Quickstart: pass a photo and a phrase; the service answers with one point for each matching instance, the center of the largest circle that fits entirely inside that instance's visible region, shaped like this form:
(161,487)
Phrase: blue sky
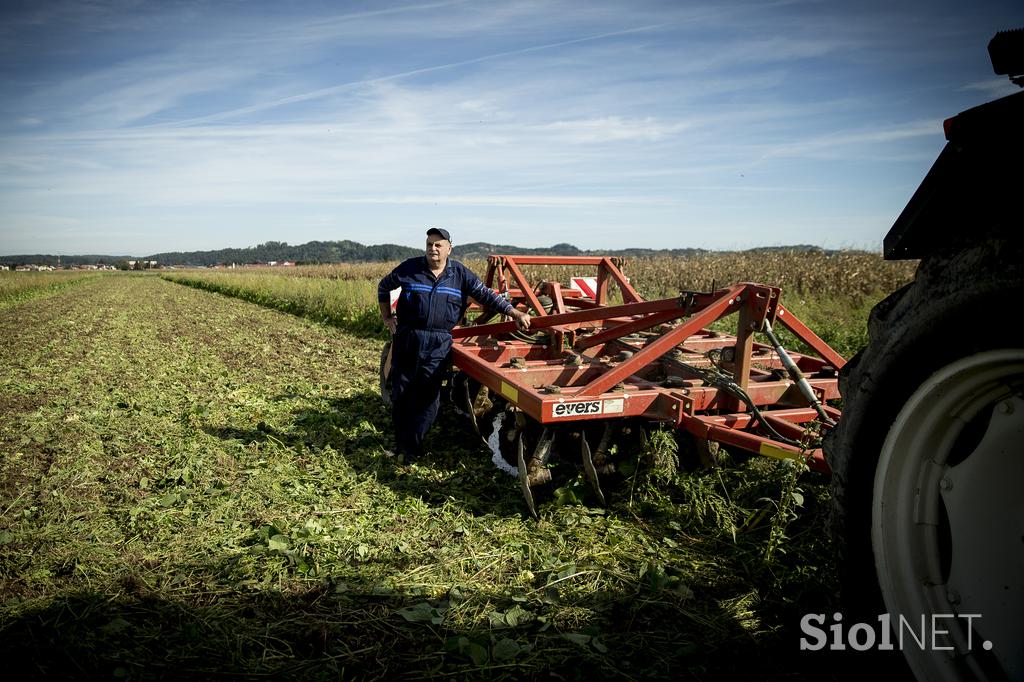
(135,127)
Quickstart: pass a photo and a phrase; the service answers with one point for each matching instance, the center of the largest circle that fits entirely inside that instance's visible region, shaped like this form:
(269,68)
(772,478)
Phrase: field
(196,486)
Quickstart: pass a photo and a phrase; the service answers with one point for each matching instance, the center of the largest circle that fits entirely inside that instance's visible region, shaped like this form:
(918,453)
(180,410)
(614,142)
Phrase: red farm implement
(593,369)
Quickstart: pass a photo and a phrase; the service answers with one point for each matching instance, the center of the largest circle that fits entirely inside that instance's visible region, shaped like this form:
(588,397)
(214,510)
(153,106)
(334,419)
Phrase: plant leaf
(279,542)
(577,638)
(505,649)
(424,612)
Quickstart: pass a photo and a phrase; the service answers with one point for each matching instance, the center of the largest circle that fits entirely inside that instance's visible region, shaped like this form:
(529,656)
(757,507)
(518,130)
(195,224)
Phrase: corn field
(841,273)
(832,292)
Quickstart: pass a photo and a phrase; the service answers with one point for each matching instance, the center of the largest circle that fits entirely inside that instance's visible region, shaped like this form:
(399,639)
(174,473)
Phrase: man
(435,294)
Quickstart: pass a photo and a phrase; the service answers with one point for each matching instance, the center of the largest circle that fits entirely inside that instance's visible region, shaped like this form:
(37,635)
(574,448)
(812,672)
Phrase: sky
(138,127)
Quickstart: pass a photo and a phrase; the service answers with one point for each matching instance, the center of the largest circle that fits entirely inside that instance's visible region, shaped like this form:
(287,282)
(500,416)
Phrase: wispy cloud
(613,128)
(857,143)
(993,87)
(322,93)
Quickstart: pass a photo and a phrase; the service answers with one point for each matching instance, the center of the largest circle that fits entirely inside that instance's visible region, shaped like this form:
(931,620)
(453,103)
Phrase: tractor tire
(928,466)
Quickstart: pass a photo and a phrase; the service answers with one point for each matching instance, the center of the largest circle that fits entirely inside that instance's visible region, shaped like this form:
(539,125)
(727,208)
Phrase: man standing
(435,295)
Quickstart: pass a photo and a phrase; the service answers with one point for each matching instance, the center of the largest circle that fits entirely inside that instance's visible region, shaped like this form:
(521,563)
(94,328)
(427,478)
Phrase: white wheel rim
(948,520)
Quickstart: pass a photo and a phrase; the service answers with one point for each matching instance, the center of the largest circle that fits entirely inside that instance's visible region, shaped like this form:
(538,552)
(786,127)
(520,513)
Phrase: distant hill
(484,249)
(49,259)
(799,248)
(309,253)
(347,251)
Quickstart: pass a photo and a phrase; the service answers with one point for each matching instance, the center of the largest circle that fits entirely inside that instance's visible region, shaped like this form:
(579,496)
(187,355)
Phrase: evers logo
(576,409)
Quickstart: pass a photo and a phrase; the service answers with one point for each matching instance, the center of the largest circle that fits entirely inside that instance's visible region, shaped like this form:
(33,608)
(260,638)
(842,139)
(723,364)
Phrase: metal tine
(588,467)
(469,408)
(601,454)
(542,453)
(524,477)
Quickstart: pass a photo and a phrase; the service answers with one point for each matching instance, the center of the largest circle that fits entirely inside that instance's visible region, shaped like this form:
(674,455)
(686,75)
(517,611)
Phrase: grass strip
(344,304)
(18,287)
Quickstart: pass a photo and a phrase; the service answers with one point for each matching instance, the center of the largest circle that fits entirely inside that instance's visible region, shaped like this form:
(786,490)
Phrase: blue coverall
(428,308)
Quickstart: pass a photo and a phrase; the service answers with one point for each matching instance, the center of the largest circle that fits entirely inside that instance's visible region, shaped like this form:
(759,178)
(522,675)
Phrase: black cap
(442,233)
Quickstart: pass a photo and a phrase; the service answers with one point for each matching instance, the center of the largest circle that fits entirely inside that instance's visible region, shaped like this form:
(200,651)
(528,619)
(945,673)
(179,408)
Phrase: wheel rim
(948,519)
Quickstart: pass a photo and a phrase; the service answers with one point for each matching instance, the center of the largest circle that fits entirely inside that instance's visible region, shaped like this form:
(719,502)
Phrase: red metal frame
(600,361)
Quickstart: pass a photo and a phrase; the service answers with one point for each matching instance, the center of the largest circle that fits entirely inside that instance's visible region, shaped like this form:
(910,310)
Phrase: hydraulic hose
(796,375)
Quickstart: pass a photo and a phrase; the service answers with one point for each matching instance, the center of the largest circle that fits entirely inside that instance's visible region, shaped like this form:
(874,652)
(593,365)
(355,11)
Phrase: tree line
(345,251)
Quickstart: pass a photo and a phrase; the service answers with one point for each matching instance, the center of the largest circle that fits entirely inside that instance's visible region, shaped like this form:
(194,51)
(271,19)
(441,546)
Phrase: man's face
(438,249)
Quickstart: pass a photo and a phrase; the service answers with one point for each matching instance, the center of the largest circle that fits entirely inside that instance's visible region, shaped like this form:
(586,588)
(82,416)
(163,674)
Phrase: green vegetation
(194,486)
(16,287)
(343,303)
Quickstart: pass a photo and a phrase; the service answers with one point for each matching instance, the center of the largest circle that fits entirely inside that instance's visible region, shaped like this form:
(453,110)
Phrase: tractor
(928,459)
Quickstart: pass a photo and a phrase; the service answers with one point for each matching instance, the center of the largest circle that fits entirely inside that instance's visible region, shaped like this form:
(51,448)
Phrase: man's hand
(391,322)
(522,319)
